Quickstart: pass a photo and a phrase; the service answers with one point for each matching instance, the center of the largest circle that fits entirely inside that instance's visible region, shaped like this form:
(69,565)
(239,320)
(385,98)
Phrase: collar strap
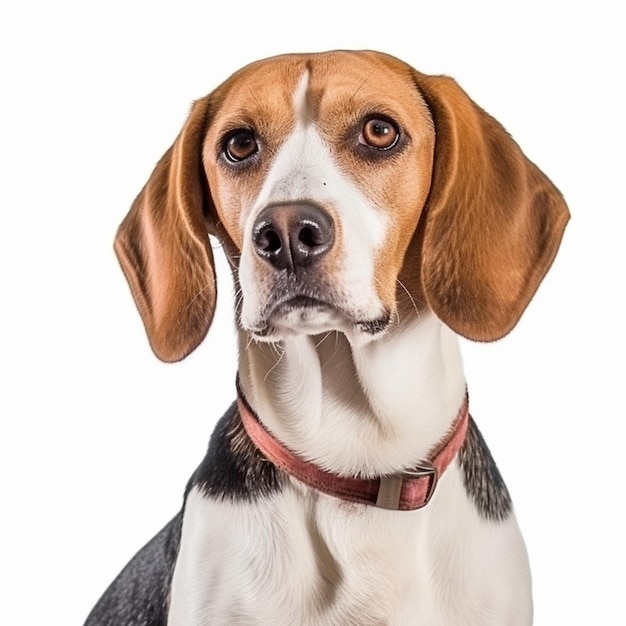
(406,491)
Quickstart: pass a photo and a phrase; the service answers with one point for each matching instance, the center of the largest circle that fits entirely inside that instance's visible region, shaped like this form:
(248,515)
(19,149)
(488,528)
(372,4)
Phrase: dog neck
(369,410)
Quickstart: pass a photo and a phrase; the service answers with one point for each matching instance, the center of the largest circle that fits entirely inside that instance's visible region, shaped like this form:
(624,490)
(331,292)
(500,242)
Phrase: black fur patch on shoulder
(481,477)
(233,467)
(139,595)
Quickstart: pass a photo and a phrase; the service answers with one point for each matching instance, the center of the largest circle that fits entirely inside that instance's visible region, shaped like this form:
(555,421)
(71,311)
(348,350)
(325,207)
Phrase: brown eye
(240,145)
(379,133)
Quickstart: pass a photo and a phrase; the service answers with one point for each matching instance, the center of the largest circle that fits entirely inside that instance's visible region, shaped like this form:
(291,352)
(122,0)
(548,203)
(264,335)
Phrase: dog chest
(298,558)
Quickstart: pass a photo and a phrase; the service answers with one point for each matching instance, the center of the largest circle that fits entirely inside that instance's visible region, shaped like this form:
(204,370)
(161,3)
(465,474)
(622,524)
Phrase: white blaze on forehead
(300,100)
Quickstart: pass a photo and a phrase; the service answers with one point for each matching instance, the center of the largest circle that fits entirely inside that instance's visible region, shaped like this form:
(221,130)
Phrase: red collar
(405,491)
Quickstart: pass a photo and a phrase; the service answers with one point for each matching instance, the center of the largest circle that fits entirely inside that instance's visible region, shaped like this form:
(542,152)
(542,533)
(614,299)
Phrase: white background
(98,438)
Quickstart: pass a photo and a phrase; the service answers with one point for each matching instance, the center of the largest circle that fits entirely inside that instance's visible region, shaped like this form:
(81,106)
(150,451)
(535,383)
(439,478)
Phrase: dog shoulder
(481,477)
(233,468)
(139,594)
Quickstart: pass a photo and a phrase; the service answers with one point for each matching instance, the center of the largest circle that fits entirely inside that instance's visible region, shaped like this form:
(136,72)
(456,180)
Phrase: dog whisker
(413,303)
(276,364)
(250,341)
(200,292)
(321,341)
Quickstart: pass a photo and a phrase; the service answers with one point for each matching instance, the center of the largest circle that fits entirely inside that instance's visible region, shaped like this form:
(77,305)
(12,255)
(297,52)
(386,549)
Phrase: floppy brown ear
(493,220)
(163,246)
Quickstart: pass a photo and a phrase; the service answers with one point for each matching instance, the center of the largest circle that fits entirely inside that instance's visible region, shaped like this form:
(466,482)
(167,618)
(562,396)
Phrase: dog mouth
(313,315)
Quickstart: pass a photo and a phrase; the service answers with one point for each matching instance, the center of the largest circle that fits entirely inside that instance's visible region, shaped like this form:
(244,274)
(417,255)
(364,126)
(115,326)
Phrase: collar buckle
(390,489)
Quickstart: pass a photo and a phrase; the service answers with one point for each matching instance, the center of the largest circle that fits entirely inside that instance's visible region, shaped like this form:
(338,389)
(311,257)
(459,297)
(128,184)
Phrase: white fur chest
(303,558)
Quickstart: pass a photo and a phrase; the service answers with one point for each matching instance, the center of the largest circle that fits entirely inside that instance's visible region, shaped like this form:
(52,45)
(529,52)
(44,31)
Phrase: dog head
(340,184)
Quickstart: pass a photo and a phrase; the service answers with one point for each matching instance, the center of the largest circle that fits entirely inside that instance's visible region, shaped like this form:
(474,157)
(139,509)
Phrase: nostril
(268,240)
(310,237)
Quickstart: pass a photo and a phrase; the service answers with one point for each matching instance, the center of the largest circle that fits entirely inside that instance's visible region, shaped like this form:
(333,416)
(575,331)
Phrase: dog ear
(163,246)
(493,221)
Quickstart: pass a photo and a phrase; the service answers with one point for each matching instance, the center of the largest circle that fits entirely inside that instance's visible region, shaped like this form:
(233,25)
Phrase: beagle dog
(370,214)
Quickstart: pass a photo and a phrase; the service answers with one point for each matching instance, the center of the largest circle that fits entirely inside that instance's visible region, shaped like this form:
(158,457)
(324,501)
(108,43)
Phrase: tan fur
(163,247)
(494,221)
(480,222)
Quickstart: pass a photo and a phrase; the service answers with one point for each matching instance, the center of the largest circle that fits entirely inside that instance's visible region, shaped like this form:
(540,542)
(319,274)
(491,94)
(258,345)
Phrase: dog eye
(379,133)
(240,145)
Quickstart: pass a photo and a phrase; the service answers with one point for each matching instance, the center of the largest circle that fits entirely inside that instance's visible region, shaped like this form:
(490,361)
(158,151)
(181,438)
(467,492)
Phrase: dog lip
(279,318)
(375,326)
(300,302)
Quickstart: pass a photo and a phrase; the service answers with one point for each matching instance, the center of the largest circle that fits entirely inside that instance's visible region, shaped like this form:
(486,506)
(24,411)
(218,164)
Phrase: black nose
(292,236)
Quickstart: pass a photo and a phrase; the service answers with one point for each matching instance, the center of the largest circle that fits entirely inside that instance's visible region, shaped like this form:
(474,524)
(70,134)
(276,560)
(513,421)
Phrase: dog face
(303,163)
(339,183)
